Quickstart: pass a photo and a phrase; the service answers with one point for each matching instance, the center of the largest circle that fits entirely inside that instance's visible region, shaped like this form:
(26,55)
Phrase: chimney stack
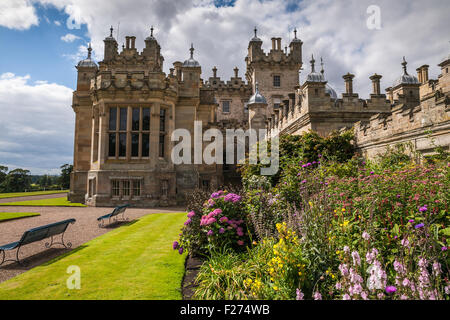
(133,42)
(127,42)
(376,83)
(236,70)
(273,43)
(214,70)
(278,43)
(348,78)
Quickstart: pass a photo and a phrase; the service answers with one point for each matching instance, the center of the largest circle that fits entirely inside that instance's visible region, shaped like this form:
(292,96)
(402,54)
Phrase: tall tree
(66,169)
(18,180)
(3,175)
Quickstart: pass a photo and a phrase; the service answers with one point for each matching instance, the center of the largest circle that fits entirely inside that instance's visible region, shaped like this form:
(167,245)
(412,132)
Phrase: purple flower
(304,181)
(371,172)
(300,294)
(418,226)
(188,221)
(223,219)
(391,289)
(180,251)
(221,230)
(444,248)
(191,214)
(411,221)
(175,245)
(423,209)
(210,233)
(232,197)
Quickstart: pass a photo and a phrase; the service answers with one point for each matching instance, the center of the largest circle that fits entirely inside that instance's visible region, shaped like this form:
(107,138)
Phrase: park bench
(117,210)
(38,234)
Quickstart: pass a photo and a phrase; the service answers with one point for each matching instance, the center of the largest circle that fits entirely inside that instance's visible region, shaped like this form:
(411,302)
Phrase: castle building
(127,108)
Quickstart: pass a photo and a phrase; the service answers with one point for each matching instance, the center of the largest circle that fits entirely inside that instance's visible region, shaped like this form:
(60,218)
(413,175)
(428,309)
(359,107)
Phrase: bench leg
(100,225)
(66,245)
(22,263)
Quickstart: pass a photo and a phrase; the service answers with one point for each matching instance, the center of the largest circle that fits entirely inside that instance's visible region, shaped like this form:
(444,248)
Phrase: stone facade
(126,109)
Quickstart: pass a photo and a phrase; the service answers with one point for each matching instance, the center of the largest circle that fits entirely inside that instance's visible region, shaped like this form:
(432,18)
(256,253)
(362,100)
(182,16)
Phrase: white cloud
(17,14)
(37,123)
(58,23)
(417,29)
(70,37)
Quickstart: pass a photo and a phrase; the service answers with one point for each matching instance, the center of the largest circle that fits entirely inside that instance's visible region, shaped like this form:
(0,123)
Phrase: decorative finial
(111,29)
(151,31)
(192,50)
(312,63)
(89,51)
(295,33)
(404,63)
(256,87)
(321,63)
(256,30)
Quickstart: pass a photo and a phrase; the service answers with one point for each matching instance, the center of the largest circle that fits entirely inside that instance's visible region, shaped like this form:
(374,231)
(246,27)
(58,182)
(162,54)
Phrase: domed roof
(110,38)
(314,76)
(257,97)
(255,38)
(444,60)
(191,62)
(88,62)
(329,89)
(295,36)
(405,78)
(151,37)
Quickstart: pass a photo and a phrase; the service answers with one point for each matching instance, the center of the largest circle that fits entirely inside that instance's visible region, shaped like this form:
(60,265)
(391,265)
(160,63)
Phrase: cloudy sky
(42,40)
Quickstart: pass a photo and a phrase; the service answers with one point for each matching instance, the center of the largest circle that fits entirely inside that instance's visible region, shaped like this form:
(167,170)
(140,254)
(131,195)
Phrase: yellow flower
(346,223)
(343,209)
(275,288)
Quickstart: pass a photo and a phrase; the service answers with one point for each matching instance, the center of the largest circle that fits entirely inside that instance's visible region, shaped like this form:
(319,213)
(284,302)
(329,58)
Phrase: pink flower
(240,242)
(365,236)
(317,296)
(300,294)
(210,233)
(223,219)
(391,289)
(191,214)
(221,230)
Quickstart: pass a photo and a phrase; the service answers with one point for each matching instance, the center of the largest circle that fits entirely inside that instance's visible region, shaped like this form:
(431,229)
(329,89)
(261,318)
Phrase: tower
(276,71)
(257,110)
(82,105)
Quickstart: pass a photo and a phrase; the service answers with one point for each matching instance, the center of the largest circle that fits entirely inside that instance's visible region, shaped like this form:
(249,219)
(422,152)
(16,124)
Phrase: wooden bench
(117,210)
(38,234)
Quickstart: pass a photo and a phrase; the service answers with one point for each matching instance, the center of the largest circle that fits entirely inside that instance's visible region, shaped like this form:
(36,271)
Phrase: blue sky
(40,49)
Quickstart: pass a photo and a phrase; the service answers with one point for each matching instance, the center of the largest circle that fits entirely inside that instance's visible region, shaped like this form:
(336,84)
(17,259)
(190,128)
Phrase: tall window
(162,129)
(162,120)
(136,188)
(115,185)
(226,106)
(161,145)
(276,81)
(126,188)
(119,131)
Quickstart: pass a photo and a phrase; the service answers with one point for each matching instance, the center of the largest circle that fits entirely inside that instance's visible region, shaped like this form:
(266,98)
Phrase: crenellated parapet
(420,112)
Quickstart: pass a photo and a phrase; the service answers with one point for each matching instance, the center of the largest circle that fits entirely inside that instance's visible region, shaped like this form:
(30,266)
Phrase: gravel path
(28,198)
(84,229)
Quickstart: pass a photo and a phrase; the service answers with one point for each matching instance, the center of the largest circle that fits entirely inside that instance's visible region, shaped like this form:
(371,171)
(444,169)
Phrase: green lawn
(53,202)
(135,261)
(26,194)
(5,216)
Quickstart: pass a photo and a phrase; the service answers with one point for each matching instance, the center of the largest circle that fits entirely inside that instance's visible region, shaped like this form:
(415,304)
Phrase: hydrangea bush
(221,224)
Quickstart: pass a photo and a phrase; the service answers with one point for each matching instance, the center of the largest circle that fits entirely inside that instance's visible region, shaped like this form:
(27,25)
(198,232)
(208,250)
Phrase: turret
(111,47)
(296,48)
(86,71)
(257,110)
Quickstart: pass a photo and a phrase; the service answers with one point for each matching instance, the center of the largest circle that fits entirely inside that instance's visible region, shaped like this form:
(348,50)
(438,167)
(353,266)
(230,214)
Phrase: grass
(5,216)
(53,202)
(135,261)
(26,194)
